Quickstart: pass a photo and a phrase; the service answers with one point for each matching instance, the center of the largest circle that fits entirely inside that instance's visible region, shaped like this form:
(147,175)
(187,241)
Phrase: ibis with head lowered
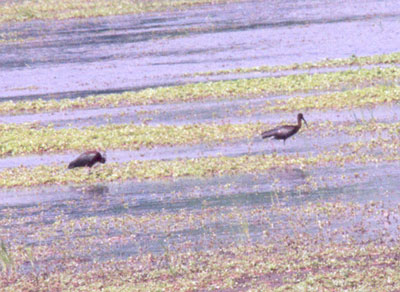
(88,158)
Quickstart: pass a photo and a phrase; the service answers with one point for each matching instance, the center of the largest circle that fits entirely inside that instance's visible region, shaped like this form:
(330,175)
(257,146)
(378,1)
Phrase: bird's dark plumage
(284,132)
(89,158)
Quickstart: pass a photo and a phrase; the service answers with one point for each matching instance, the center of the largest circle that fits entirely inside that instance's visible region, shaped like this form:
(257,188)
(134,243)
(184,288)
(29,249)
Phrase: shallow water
(42,207)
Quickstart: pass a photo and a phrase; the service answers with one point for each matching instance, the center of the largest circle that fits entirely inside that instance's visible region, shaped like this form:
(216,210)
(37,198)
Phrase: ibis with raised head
(285,131)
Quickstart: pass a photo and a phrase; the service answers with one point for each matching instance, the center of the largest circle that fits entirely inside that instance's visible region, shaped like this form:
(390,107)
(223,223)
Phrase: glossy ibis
(89,158)
(285,131)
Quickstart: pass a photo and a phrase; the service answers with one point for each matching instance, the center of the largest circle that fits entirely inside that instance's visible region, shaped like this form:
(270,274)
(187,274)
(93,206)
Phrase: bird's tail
(267,134)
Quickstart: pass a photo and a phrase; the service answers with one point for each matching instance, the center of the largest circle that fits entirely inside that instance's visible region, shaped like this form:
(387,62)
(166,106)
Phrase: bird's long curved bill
(305,122)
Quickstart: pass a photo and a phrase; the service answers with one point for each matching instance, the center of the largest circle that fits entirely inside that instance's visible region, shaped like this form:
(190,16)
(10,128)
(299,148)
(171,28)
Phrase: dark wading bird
(284,132)
(89,158)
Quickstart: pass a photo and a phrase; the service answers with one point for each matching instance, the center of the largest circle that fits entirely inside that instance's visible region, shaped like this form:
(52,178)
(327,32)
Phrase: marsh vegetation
(191,198)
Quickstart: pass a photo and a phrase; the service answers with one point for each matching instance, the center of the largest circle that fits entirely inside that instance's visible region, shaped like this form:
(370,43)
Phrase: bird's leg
(273,146)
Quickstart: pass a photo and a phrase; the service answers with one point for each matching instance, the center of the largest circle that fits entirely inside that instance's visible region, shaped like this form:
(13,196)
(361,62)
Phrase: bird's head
(301,117)
(103,158)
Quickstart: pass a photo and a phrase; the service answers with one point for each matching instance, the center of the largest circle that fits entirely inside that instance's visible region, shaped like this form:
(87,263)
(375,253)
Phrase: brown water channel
(81,57)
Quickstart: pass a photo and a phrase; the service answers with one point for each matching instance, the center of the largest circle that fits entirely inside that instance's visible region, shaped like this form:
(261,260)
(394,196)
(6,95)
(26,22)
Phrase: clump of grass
(243,88)
(6,259)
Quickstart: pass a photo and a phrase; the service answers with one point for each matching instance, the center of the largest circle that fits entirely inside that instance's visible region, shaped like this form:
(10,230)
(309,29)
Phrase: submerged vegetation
(300,247)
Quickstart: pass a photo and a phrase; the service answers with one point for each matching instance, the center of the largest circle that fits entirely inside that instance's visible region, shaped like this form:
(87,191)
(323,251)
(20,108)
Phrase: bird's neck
(299,123)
